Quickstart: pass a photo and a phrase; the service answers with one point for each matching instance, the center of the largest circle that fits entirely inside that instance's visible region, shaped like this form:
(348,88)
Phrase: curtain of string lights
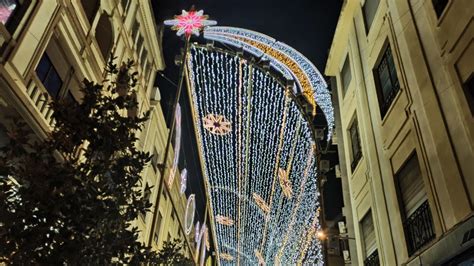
(259,161)
(288,61)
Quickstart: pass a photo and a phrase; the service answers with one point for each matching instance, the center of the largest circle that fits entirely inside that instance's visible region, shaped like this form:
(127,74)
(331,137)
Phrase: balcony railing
(373,259)
(419,229)
(40,98)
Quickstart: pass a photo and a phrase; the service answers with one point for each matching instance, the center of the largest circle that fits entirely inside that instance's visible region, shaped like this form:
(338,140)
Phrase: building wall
(74,43)
(429,116)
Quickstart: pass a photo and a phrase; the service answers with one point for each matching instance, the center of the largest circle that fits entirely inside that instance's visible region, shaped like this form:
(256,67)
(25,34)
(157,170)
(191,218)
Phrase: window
(146,198)
(172,215)
(355,144)
(468,88)
(418,223)
(143,59)
(410,185)
(157,227)
(369,240)
(49,76)
(439,6)
(90,8)
(164,195)
(154,160)
(369,9)
(168,238)
(104,36)
(135,27)
(125,4)
(346,75)
(139,44)
(386,81)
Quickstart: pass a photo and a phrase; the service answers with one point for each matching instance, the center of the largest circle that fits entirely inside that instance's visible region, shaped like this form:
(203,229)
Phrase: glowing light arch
(269,133)
(284,58)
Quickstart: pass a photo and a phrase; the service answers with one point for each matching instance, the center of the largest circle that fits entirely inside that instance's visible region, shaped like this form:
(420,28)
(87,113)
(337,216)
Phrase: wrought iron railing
(419,229)
(373,259)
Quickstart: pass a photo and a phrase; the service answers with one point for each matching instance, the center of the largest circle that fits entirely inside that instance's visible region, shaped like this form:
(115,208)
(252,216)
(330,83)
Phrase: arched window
(104,35)
(90,8)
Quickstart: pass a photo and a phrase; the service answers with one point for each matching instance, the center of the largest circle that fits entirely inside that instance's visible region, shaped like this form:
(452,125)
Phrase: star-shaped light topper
(189,22)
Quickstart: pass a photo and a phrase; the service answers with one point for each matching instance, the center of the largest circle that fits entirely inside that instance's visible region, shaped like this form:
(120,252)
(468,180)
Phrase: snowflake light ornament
(217,124)
(189,22)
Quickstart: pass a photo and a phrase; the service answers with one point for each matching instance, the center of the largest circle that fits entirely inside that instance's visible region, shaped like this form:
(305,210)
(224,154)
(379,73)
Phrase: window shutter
(411,186)
(368,233)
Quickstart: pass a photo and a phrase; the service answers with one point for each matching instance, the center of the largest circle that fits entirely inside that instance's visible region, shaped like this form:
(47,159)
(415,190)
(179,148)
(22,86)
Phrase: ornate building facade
(49,47)
(403,74)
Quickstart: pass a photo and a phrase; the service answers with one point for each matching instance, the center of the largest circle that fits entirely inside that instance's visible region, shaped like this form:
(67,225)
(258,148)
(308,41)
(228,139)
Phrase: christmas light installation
(189,22)
(184,180)
(189,214)
(262,173)
(291,63)
(177,146)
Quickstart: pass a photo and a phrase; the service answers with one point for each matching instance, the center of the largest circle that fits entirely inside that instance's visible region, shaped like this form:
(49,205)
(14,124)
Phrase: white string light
(282,57)
(268,133)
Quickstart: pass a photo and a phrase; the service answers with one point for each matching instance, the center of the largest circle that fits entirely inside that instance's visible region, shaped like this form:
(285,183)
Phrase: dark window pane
(139,44)
(53,83)
(355,144)
(439,6)
(346,75)
(49,76)
(90,8)
(43,67)
(125,5)
(386,81)
(104,35)
(136,25)
(370,8)
(469,92)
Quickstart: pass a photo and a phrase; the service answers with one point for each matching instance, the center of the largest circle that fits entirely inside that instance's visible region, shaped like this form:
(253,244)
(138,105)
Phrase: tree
(71,199)
(170,254)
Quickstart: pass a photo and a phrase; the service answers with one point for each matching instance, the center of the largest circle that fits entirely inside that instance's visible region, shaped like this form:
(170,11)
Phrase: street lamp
(323,236)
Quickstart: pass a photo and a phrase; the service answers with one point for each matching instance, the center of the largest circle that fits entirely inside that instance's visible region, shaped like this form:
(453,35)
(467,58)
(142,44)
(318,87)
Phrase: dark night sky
(306,25)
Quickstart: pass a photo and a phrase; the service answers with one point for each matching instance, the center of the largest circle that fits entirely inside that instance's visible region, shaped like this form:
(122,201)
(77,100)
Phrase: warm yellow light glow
(321,235)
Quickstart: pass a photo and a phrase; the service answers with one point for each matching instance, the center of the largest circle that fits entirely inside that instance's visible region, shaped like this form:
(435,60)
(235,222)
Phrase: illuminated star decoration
(224,220)
(216,124)
(189,22)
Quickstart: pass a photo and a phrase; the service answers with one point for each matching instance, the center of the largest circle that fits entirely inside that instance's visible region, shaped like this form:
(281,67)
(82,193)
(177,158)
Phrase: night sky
(306,25)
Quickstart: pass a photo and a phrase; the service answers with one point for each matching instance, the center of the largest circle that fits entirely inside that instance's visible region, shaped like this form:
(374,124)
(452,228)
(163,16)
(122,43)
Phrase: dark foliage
(71,198)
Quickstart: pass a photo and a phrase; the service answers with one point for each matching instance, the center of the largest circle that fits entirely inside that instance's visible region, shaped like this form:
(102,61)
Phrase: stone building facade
(405,95)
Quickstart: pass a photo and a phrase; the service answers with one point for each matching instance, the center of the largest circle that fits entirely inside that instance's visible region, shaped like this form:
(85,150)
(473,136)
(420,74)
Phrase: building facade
(49,47)
(404,91)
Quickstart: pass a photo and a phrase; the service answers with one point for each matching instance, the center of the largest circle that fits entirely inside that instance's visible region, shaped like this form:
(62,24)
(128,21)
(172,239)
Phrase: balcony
(41,99)
(373,259)
(419,229)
